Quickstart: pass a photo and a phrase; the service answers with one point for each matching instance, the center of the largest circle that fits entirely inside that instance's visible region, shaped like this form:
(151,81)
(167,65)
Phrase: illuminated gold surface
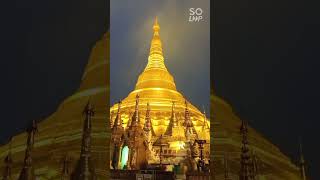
(60,133)
(226,140)
(156,86)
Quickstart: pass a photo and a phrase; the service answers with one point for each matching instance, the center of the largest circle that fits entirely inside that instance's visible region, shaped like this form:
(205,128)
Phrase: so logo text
(195,14)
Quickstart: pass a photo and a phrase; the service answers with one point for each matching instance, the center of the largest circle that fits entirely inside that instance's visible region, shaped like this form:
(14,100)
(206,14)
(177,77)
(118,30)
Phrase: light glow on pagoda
(156,98)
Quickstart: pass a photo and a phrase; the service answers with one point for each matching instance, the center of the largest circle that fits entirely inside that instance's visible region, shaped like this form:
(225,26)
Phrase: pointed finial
(156,21)
(156,59)
(244,127)
(33,127)
(8,165)
(137,98)
(88,110)
(135,120)
(204,118)
(85,168)
(245,159)
(300,151)
(27,171)
(119,106)
(148,106)
(137,103)
(147,125)
(156,26)
(302,161)
(118,121)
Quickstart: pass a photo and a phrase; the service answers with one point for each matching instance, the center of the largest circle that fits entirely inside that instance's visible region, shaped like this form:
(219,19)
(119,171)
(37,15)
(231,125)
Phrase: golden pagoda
(171,115)
(61,134)
(227,140)
(57,143)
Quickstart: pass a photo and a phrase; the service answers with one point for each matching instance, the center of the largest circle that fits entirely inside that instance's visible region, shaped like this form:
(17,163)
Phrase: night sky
(185,45)
(266,66)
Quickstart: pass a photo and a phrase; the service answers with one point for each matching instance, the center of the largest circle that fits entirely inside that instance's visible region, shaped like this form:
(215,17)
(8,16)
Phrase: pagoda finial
(172,123)
(302,162)
(27,172)
(245,160)
(85,170)
(116,137)
(205,124)
(110,120)
(65,174)
(8,165)
(156,59)
(188,122)
(136,118)
(148,124)
(118,120)
(156,26)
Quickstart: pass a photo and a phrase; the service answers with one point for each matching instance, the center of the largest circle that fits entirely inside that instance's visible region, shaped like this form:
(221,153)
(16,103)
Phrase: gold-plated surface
(226,141)
(173,119)
(60,134)
(156,86)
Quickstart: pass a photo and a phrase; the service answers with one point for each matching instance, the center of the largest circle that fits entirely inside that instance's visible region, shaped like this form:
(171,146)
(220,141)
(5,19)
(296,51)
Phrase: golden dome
(156,86)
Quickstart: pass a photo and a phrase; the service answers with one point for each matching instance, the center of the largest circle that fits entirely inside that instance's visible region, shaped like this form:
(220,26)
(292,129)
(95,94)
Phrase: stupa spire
(118,120)
(155,74)
(190,130)
(302,162)
(245,160)
(85,170)
(205,123)
(135,118)
(116,137)
(27,172)
(155,59)
(148,125)
(8,165)
(172,123)
(65,174)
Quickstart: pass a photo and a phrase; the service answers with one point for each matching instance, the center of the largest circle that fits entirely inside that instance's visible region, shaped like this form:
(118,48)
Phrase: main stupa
(156,102)
(156,86)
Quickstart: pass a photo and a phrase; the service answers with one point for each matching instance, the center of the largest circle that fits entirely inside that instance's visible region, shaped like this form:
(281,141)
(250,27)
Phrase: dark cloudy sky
(267,66)
(186,46)
(44,48)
